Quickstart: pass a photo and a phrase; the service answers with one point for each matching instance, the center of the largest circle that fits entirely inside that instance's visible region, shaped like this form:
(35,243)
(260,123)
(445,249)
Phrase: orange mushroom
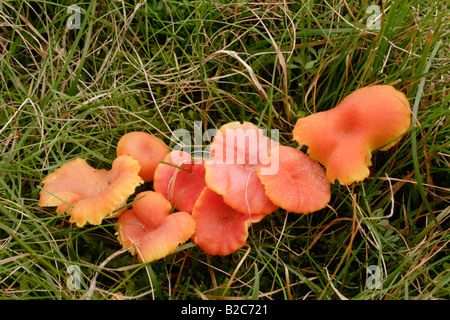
(220,229)
(180,179)
(150,230)
(236,152)
(343,138)
(300,184)
(87,194)
(147,149)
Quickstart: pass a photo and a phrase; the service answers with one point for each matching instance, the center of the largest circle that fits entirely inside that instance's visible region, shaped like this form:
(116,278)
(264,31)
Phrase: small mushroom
(180,179)
(236,152)
(87,194)
(343,138)
(147,149)
(300,184)
(220,229)
(150,230)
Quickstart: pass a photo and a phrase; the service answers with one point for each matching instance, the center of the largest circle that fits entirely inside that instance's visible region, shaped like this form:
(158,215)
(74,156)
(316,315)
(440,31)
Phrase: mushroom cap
(300,184)
(147,149)
(236,152)
(220,229)
(87,194)
(343,138)
(150,230)
(180,179)
(151,208)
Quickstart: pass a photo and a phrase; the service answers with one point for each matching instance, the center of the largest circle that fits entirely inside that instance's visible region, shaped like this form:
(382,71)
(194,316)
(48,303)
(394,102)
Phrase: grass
(158,66)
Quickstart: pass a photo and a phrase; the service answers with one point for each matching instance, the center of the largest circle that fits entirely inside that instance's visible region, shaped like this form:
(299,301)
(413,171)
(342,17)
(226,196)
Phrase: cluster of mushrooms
(212,201)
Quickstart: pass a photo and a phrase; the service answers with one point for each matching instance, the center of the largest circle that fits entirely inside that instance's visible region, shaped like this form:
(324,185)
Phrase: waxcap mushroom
(220,229)
(180,179)
(236,151)
(300,184)
(89,195)
(147,149)
(343,138)
(150,230)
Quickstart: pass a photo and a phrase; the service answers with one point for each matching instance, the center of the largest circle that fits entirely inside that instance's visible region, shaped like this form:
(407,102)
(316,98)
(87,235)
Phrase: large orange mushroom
(300,184)
(220,229)
(180,179)
(150,230)
(88,194)
(343,138)
(147,149)
(235,153)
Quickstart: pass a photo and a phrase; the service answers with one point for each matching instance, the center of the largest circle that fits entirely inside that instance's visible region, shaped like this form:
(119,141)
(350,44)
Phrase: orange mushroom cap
(150,230)
(180,179)
(220,229)
(236,152)
(343,138)
(147,149)
(87,194)
(300,184)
